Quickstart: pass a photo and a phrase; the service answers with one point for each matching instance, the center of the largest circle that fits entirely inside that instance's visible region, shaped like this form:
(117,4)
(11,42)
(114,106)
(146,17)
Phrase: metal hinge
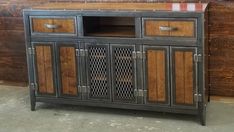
(197,57)
(77,52)
(134,56)
(33,86)
(83,52)
(140,93)
(138,55)
(198,97)
(31,51)
(84,89)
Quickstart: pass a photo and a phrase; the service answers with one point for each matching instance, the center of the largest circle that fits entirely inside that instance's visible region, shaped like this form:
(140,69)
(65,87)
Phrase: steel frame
(139,41)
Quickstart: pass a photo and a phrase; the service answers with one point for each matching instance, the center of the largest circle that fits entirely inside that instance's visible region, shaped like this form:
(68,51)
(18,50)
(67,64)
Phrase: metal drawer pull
(51,26)
(165,28)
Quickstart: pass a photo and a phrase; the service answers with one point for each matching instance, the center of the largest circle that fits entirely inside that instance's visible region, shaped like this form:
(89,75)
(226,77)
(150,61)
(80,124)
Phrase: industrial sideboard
(146,56)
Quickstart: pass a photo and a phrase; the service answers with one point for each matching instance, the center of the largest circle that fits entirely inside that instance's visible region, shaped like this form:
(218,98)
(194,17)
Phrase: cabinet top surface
(174,7)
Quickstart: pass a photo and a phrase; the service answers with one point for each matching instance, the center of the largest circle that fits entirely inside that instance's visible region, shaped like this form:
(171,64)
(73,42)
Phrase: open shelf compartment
(109,26)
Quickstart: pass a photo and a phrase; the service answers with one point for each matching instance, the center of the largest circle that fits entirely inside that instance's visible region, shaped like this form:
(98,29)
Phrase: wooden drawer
(53,25)
(169,28)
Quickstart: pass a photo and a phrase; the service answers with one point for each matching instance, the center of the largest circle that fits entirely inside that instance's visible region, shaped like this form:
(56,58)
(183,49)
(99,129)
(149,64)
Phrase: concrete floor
(15,116)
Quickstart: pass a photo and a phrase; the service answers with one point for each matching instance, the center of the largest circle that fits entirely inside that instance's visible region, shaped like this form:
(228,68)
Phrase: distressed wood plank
(179,77)
(40,67)
(161,75)
(68,70)
(48,69)
(188,80)
(152,78)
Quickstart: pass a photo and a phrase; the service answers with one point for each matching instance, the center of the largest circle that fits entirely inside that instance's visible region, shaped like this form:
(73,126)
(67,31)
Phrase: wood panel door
(68,73)
(156,80)
(44,68)
(184,70)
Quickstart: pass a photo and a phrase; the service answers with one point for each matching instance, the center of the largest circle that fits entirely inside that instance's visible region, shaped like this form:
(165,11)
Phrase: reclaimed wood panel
(156,63)
(38,25)
(65,25)
(152,28)
(184,28)
(44,67)
(68,70)
(184,76)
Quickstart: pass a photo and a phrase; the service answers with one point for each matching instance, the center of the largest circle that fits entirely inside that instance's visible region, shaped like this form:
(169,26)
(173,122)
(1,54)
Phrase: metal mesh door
(98,66)
(123,73)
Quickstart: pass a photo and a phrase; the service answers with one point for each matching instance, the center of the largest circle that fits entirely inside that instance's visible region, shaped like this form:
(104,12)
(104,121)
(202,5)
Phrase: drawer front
(169,28)
(52,26)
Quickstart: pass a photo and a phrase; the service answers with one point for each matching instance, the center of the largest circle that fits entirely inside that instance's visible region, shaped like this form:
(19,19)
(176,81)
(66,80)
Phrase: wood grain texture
(104,6)
(156,62)
(184,77)
(38,25)
(152,28)
(68,70)
(182,28)
(44,63)
(64,25)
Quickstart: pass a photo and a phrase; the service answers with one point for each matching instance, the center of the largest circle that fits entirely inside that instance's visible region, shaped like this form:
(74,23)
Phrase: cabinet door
(68,70)
(44,68)
(184,76)
(123,73)
(98,71)
(156,74)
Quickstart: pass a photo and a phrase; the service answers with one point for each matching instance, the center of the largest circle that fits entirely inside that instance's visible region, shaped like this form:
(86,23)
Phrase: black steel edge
(155,41)
(117,105)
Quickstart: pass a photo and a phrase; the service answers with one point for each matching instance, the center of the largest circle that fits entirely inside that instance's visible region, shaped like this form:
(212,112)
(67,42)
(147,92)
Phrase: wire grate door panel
(98,74)
(123,69)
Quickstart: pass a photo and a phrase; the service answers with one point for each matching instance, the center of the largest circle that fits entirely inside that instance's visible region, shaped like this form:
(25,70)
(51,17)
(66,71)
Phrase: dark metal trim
(117,105)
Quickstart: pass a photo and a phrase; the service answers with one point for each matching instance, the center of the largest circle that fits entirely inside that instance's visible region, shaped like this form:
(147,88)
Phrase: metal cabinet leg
(32,100)
(33,105)
(202,116)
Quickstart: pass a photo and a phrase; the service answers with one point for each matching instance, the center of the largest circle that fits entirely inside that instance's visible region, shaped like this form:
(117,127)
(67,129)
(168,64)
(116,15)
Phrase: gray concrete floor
(15,116)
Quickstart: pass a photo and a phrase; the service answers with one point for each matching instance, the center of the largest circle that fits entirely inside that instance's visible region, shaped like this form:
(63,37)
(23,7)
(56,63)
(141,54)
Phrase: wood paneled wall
(13,66)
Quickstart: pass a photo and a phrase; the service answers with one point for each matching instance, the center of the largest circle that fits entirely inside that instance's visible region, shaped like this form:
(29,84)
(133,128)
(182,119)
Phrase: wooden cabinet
(133,59)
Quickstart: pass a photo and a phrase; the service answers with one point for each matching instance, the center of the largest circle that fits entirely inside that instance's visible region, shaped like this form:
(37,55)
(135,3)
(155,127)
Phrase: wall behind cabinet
(221,32)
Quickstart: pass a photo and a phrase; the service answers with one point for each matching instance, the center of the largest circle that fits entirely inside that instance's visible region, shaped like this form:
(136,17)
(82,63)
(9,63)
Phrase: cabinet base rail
(167,109)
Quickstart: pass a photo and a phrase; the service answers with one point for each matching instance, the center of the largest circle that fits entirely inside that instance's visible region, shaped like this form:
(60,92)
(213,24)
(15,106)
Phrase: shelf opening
(109,26)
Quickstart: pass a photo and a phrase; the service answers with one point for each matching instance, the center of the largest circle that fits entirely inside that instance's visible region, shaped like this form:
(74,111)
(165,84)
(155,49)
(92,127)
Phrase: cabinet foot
(33,105)
(202,116)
